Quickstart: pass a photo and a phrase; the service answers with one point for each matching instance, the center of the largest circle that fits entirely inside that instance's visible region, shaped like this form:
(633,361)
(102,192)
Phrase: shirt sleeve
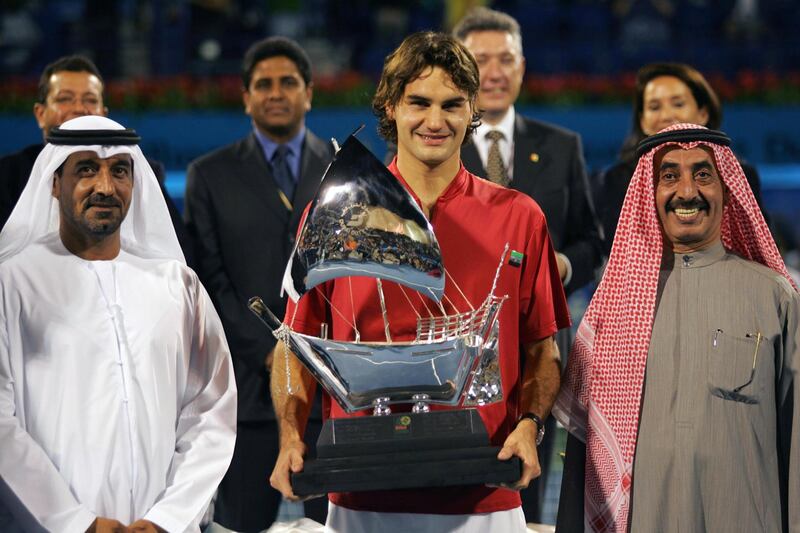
(789,416)
(543,306)
(206,426)
(310,311)
(31,487)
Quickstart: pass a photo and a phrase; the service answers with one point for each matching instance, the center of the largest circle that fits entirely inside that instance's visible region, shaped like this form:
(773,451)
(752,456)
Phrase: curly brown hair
(415,54)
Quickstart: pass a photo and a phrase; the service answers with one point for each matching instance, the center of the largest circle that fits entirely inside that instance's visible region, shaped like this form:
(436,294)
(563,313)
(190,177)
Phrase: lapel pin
(534,157)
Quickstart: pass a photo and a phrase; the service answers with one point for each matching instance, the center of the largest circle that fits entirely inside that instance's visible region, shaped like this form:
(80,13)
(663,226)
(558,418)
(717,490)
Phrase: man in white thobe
(117,398)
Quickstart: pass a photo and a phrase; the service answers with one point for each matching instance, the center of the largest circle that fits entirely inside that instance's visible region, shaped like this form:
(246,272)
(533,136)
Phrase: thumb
(296,462)
(505,453)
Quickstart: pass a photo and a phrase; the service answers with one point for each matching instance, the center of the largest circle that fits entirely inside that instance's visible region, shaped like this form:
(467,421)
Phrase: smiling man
(426,103)
(117,398)
(542,160)
(243,205)
(680,394)
(689,197)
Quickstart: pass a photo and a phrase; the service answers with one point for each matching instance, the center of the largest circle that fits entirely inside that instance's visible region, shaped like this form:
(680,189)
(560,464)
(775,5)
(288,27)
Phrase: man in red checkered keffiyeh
(602,395)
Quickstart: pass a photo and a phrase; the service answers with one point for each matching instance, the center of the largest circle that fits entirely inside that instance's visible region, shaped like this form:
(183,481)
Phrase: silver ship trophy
(363,222)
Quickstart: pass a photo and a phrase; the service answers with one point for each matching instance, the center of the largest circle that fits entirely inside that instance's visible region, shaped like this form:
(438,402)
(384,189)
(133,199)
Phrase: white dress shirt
(506,127)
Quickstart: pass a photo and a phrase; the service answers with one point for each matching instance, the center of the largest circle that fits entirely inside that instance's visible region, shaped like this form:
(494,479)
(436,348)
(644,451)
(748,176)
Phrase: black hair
(73,63)
(703,94)
(274,47)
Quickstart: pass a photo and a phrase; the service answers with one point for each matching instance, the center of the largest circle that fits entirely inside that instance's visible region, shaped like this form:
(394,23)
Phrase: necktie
(281,171)
(495,168)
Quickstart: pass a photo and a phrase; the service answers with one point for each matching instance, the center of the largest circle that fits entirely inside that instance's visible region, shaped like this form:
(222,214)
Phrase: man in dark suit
(69,87)
(243,205)
(542,160)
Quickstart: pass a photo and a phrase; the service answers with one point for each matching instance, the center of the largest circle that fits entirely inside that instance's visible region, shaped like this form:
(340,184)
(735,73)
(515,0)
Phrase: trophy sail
(362,222)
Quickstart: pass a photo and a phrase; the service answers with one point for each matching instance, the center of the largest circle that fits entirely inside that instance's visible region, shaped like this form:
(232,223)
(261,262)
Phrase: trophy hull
(404,451)
(457,363)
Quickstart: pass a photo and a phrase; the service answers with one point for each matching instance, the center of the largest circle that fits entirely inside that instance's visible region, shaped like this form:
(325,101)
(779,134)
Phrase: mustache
(100,200)
(698,202)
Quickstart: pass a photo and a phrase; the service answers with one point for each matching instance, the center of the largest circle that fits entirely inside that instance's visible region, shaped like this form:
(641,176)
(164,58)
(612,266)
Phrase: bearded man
(117,398)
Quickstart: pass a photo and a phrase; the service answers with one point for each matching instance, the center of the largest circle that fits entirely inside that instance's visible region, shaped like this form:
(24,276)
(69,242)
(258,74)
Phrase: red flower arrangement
(352,89)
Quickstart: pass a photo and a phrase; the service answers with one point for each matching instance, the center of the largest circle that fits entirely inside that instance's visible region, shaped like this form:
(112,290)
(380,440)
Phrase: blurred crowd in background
(739,41)
(163,56)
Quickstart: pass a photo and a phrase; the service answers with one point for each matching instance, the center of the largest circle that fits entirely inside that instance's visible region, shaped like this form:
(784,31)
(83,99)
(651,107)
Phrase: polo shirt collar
(452,190)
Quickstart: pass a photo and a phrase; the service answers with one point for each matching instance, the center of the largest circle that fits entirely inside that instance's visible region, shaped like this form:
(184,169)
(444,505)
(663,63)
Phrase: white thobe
(117,396)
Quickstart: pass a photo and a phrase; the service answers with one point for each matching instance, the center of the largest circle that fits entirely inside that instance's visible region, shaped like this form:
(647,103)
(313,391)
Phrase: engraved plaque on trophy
(362,222)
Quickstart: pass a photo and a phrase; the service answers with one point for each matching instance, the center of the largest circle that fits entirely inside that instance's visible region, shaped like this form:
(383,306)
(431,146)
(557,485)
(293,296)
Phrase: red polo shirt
(472,219)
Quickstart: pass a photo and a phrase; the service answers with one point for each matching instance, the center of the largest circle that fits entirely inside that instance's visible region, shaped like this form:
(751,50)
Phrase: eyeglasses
(757,336)
(70,100)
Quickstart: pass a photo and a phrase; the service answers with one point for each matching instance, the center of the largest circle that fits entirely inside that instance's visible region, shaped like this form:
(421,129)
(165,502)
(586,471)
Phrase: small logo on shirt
(515,260)
(402,424)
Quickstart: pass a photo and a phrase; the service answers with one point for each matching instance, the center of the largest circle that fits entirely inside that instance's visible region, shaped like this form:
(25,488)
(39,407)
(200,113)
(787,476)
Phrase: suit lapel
(257,175)
(527,158)
(316,156)
(471,159)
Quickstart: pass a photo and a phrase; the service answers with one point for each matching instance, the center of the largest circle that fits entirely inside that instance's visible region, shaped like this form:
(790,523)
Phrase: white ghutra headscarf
(147,230)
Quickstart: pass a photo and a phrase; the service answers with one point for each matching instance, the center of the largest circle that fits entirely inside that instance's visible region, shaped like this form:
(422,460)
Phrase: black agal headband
(682,136)
(92,137)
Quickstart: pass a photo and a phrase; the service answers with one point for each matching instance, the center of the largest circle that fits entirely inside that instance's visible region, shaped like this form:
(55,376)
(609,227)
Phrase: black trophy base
(404,451)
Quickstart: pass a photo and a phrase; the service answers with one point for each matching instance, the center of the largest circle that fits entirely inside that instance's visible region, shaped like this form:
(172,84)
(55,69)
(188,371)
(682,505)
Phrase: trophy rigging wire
(382,301)
(411,304)
(353,309)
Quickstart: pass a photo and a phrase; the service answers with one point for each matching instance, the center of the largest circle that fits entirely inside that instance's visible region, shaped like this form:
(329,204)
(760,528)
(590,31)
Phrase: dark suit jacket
(245,235)
(549,167)
(15,169)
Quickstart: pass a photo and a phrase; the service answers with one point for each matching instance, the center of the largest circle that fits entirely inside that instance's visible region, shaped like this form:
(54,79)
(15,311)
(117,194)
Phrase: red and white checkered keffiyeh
(600,397)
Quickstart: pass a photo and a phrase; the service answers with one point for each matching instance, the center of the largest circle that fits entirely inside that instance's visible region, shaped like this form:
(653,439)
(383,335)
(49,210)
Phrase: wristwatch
(539,425)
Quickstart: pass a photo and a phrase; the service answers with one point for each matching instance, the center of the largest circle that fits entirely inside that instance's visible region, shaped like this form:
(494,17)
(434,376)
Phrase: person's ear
(56,190)
(38,113)
(246,100)
(702,114)
(309,95)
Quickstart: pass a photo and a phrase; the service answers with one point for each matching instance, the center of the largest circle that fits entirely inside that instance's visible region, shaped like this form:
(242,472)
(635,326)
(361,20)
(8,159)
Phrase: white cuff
(166,522)
(568,264)
(84,519)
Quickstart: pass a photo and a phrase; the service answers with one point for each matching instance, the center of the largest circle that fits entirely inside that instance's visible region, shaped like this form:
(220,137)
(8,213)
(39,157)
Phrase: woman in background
(666,94)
